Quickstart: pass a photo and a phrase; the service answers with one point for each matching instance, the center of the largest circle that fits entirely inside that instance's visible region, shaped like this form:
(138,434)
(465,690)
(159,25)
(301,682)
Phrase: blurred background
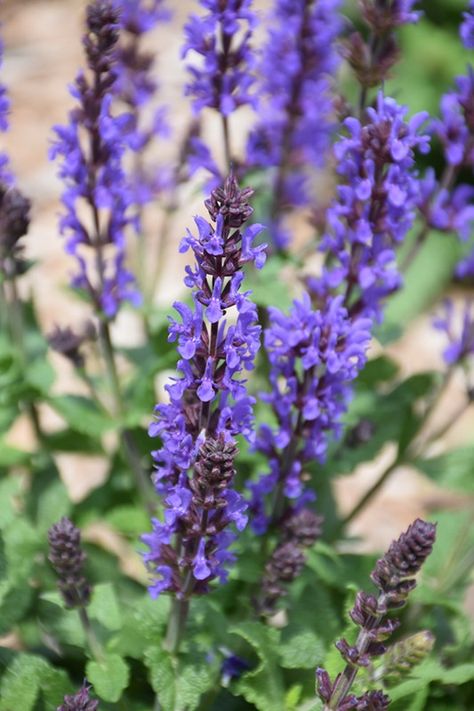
(42,55)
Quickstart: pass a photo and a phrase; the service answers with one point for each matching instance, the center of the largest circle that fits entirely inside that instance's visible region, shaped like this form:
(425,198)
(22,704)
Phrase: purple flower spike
(92,171)
(293,132)
(6,177)
(467,27)
(223,80)
(460,335)
(208,403)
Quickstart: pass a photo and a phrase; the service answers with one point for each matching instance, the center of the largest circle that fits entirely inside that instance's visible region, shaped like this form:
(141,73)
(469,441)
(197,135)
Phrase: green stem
(176,625)
(362,503)
(94,644)
(128,443)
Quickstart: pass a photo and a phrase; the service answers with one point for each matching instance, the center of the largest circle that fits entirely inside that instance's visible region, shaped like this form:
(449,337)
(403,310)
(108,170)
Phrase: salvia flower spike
(394,578)
(80,701)
(209,404)
(92,171)
(68,558)
(293,132)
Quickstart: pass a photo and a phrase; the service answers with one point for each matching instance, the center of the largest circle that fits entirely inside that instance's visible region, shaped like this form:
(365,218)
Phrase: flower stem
(94,644)
(176,625)
(128,444)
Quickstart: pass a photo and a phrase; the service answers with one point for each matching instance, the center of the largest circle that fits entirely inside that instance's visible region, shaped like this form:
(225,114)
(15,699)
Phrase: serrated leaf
(82,414)
(162,676)
(303,650)
(263,686)
(178,683)
(104,606)
(26,678)
(109,676)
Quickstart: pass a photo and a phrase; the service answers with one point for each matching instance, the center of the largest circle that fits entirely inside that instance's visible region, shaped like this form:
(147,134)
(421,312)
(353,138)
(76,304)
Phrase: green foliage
(109,676)
(27,680)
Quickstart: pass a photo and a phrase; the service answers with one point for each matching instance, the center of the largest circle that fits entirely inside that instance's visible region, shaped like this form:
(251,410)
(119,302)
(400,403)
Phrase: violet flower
(394,578)
(136,87)
(299,531)
(375,206)
(92,171)
(314,356)
(209,404)
(460,336)
(466,29)
(6,177)
(68,558)
(80,701)
(444,205)
(224,77)
(293,132)
(318,350)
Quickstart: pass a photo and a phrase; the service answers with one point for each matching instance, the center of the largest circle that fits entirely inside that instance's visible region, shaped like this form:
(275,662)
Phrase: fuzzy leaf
(263,686)
(109,677)
(179,684)
(304,650)
(104,606)
(26,678)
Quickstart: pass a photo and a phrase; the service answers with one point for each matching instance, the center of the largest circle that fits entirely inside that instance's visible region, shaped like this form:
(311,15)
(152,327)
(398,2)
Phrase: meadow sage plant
(291,383)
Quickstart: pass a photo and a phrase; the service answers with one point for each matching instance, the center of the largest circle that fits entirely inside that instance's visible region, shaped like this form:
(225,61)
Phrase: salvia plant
(241,549)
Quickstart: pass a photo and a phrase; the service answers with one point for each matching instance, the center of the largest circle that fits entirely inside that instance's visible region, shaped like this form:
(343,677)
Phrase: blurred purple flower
(92,171)
(460,335)
(466,29)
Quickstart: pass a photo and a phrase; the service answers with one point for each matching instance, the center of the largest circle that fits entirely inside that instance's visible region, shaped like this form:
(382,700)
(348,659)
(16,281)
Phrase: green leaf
(179,684)
(53,504)
(26,678)
(129,520)
(10,491)
(70,440)
(426,279)
(378,370)
(82,414)
(40,375)
(303,650)
(162,676)
(454,470)
(11,456)
(104,606)
(109,676)
(263,686)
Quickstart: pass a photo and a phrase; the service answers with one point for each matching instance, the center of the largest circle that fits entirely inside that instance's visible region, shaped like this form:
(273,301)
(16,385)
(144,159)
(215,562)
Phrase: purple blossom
(293,131)
(315,354)
(5,175)
(466,29)
(136,88)
(375,206)
(208,402)
(459,332)
(455,128)
(223,79)
(92,171)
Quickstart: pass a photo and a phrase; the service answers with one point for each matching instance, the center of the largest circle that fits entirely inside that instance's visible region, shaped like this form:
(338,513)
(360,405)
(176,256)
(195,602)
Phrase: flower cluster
(375,206)
(467,27)
(394,577)
(14,223)
(299,531)
(444,206)
(69,343)
(221,37)
(91,168)
(136,86)
(293,131)
(68,558)
(372,59)
(79,702)
(314,356)
(209,403)
(6,177)
(461,341)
